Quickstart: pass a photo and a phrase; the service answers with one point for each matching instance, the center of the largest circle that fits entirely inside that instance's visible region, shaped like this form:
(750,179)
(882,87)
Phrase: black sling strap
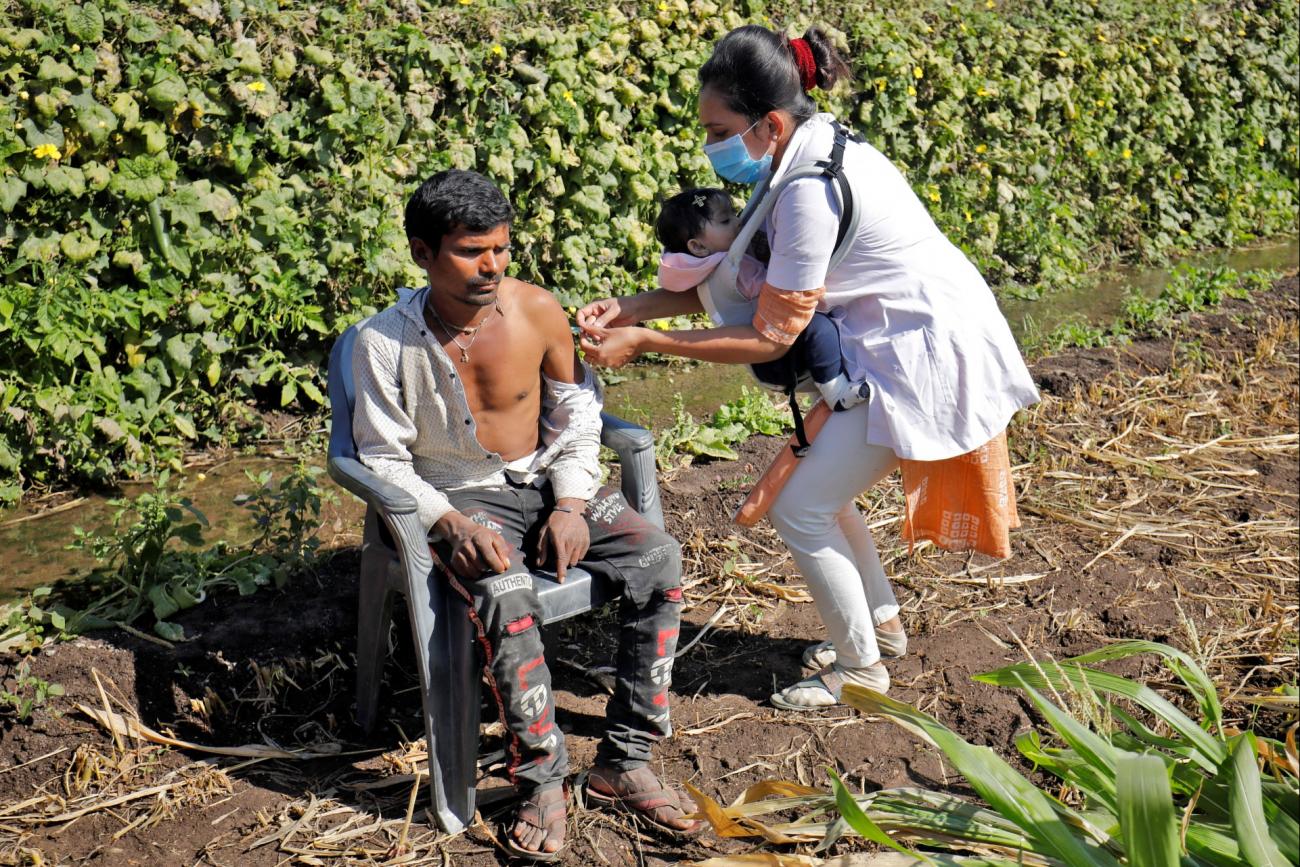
(832,168)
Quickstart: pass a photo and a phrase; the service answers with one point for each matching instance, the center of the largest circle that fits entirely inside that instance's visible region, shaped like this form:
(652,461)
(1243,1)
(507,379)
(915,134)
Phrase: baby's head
(699,221)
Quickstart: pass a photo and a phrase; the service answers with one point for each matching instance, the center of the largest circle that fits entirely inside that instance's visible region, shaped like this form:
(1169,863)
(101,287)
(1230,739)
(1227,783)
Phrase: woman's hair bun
(831,67)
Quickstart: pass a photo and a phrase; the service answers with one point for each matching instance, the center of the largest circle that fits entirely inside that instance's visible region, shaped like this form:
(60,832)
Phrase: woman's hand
(612,347)
(605,313)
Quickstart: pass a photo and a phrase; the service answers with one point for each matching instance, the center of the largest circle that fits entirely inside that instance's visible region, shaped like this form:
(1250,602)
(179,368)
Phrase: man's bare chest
(502,371)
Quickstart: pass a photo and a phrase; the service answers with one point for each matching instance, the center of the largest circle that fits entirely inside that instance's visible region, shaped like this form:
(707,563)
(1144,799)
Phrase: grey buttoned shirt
(413,427)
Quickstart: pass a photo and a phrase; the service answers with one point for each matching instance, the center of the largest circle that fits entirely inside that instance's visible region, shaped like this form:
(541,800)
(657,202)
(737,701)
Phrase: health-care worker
(919,323)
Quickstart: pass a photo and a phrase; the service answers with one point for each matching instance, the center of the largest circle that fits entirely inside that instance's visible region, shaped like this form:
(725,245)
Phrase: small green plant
(28,693)
(142,563)
(153,559)
(755,411)
(28,622)
(1076,334)
(1190,289)
(286,514)
(734,422)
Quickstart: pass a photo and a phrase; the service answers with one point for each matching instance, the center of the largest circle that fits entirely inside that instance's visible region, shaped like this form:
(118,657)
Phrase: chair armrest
(623,436)
(362,481)
(635,447)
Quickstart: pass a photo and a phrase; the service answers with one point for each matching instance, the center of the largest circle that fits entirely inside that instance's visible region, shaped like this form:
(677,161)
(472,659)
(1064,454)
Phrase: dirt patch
(1158,487)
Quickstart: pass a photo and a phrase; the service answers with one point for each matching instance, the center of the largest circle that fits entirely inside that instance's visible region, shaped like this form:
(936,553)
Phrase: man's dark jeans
(644,564)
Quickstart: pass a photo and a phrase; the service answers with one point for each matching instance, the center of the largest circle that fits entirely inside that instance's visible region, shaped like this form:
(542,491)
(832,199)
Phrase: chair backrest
(343,395)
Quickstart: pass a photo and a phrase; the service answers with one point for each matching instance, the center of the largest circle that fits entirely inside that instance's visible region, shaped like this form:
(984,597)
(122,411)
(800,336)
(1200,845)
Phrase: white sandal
(892,646)
(824,688)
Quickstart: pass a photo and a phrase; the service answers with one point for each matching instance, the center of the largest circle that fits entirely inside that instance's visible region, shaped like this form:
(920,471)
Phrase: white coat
(920,325)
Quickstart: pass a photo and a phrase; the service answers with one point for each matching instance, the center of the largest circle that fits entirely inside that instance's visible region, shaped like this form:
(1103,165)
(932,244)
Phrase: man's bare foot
(641,793)
(539,827)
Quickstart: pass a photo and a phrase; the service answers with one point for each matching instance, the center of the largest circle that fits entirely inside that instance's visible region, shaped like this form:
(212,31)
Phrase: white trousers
(828,537)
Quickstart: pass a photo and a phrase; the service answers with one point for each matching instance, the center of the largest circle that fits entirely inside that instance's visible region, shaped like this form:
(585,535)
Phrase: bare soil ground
(1158,487)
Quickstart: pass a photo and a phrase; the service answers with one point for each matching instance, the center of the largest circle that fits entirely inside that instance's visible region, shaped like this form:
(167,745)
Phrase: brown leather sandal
(642,803)
(534,812)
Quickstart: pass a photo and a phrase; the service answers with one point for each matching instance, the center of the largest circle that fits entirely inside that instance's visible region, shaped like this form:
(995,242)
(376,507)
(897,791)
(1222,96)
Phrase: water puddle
(649,396)
(1101,301)
(34,543)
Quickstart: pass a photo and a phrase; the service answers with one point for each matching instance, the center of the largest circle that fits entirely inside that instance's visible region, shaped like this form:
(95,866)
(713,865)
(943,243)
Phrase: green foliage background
(197,196)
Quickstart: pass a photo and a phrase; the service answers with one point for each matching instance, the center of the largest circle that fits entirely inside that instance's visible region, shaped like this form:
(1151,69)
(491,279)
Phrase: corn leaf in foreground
(859,821)
(1146,812)
(1097,758)
(1050,824)
(1208,751)
(1191,674)
(1247,806)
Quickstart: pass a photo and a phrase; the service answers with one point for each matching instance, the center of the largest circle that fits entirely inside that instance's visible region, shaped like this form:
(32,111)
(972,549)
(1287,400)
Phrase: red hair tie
(803,58)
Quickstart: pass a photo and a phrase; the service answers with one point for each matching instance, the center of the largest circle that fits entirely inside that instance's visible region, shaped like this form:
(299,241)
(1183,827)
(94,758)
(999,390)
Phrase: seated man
(470,397)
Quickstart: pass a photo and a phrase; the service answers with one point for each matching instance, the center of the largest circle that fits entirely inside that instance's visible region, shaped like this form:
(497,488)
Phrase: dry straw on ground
(1153,469)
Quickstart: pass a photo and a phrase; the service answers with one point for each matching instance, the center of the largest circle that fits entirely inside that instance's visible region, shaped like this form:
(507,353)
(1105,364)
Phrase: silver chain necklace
(451,332)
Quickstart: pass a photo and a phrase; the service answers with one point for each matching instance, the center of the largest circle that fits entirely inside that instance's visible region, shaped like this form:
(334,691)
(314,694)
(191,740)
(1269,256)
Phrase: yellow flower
(989,4)
(466,2)
(911,91)
(917,72)
(934,195)
(1101,37)
(981,91)
(663,7)
(568,95)
(22,94)
(46,152)
(498,51)
(1128,154)
(1241,32)
(929,29)
(880,85)
(257,86)
(969,218)
(1101,103)
(76,48)
(981,148)
(1261,141)
(1062,52)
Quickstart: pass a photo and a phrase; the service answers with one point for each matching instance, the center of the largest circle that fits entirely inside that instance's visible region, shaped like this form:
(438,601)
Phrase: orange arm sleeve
(781,315)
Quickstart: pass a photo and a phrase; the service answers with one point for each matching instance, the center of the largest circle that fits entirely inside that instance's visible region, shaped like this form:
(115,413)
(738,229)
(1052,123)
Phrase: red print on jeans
(527,667)
(518,626)
(665,635)
(543,725)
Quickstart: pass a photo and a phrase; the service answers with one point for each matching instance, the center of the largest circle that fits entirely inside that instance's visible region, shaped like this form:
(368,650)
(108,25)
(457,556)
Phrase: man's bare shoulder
(531,297)
(537,304)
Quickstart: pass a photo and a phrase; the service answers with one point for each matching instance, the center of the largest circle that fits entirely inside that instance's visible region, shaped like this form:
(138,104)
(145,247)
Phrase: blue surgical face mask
(732,162)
